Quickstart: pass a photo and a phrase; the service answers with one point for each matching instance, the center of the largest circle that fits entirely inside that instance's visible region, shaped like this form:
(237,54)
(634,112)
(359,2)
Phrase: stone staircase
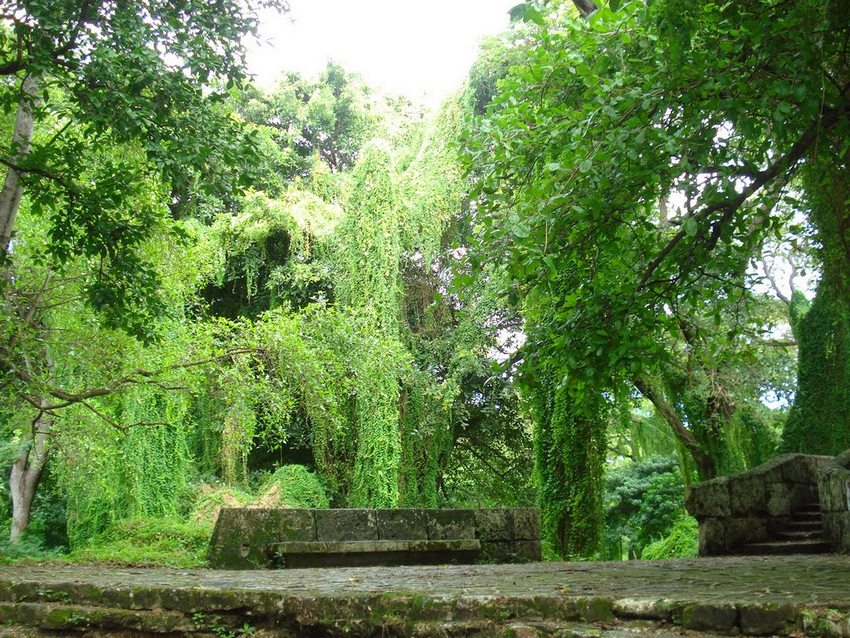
(803,534)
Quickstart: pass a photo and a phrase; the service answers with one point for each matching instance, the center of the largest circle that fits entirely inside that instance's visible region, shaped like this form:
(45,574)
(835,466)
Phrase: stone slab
(778,499)
(526,523)
(402,524)
(359,547)
(747,496)
(346,525)
(712,537)
(709,499)
(494,525)
(450,524)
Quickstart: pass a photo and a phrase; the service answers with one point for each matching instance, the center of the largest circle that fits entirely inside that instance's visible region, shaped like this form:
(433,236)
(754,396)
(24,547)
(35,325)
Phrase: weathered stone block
(778,499)
(450,524)
(720,617)
(824,492)
(831,492)
(836,527)
(837,492)
(831,527)
(296,525)
(766,619)
(497,552)
(527,551)
(240,536)
(712,537)
(402,524)
(710,499)
(803,493)
(842,533)
(750,529)
(747,496)
(526,523)
(798,470)
(346,525)
(494,525)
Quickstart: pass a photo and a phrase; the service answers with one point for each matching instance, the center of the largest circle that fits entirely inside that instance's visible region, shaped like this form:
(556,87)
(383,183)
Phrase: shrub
(292,486)
(211,500)
(681,542)
(149,542)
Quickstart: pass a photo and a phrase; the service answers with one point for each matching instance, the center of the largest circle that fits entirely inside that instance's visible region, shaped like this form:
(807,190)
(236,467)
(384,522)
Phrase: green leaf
(525,12)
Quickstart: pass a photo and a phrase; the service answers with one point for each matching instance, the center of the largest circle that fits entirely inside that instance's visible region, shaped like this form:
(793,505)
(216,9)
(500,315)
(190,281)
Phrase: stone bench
(261,538)
(361,553)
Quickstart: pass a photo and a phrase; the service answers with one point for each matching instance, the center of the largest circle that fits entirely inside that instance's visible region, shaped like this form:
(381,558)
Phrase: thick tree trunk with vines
(10,196)
(26,473)
(704,462)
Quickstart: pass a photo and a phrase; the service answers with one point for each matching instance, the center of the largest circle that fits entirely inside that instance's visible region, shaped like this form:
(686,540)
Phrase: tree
(83,76)
(633,163)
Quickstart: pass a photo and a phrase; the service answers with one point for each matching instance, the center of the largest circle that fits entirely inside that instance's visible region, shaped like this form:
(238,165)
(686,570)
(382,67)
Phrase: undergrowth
(681,542)
(149,542)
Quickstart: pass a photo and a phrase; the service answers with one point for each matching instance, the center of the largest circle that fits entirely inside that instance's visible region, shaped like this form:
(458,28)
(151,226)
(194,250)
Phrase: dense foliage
(630,168)
(560,287)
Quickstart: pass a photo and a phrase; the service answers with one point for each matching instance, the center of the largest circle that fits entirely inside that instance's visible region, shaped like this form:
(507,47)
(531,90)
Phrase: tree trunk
(585,7)
(704,463)
(26,474)
(13,190)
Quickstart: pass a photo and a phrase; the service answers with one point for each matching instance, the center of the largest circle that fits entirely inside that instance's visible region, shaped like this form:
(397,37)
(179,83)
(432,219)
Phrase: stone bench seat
(372,552)
(263,538)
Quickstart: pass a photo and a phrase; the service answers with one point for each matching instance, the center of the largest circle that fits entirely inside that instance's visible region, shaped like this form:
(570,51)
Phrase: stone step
(800,535)
(806,516)
(808,508)
(803,526)
(787,547)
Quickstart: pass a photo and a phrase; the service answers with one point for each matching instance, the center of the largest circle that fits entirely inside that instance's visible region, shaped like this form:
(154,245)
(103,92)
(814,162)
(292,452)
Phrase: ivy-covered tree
(633,163)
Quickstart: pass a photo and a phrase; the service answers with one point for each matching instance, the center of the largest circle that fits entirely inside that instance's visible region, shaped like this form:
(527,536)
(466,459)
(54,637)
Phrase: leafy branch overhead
(105,74)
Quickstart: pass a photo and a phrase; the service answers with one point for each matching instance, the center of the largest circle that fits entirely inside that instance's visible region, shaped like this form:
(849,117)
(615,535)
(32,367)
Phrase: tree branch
(136,376)
(685,436)
(829,118)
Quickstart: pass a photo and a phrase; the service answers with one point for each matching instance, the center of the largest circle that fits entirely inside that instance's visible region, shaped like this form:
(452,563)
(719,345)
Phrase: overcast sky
(421,49)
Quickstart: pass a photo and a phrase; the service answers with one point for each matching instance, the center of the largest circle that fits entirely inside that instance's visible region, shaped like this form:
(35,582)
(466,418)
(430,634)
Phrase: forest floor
(789,596)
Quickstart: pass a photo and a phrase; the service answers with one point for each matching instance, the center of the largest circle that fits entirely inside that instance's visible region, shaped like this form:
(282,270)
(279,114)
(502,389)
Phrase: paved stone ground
(790,596)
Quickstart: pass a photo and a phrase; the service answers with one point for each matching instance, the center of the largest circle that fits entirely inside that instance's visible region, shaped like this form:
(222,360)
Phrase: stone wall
(834,486)
(748,507)
(242,537)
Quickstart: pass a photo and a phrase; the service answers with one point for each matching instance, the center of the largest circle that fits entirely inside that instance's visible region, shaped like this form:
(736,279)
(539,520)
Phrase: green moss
(821,411)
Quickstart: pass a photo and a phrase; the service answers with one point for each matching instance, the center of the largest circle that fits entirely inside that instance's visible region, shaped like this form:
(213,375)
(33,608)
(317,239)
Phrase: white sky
(422,49)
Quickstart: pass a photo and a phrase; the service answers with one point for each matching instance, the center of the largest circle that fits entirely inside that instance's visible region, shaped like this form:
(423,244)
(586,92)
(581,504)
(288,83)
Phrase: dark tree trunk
(10,195)
(26,474)
(705,464)
(585,7)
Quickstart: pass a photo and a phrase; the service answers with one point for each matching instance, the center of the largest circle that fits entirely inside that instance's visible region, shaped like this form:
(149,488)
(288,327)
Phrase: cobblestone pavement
(792,595)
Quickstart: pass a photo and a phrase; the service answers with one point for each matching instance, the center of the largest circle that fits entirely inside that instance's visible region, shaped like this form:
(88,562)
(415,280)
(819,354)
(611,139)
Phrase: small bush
(29,548)
(681,542)
(211,500)
(149,542)
(292,486)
